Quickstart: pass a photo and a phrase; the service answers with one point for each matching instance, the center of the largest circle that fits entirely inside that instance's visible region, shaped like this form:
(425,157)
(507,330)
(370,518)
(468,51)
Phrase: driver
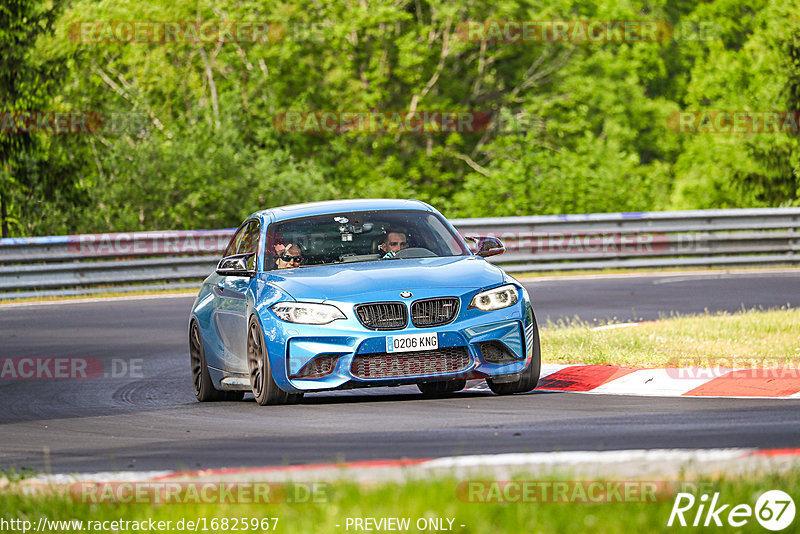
(393,242)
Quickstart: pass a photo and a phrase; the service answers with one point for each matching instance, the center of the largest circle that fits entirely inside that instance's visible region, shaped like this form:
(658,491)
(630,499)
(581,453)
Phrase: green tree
(577,127)
(751,65)
(27,82)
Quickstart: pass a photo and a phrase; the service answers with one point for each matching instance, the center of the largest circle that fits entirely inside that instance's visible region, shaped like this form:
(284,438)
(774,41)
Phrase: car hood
(333,282)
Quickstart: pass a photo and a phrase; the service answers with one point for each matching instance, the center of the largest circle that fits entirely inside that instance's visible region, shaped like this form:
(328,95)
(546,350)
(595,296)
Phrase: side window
(249,242)
(230,250)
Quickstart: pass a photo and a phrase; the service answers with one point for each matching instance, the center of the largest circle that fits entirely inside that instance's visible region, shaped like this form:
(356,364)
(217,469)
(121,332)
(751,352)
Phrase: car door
(230,310)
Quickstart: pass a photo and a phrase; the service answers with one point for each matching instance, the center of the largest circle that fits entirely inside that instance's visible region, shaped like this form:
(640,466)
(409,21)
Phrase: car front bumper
(293,346)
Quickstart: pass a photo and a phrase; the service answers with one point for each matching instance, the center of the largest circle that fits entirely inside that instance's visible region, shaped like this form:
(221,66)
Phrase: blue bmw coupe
(358,293)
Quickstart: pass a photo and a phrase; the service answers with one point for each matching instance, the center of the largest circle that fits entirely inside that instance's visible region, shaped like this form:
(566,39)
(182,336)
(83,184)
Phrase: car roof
(336,206)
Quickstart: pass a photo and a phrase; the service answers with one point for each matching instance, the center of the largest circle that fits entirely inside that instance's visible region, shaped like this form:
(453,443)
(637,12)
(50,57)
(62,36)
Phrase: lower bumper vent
(429,362)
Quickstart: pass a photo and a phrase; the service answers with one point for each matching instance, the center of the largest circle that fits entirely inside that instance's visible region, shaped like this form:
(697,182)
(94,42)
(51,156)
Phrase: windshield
(360,236)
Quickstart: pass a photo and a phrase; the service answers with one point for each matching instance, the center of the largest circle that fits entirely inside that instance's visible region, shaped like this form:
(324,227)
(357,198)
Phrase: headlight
(495,299)
(307,312)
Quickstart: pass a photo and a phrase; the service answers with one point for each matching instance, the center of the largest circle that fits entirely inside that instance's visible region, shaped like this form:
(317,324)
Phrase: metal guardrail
(63,265)
(702,238)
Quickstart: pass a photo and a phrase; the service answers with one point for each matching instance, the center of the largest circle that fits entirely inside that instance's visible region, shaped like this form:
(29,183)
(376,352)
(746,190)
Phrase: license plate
(412,342)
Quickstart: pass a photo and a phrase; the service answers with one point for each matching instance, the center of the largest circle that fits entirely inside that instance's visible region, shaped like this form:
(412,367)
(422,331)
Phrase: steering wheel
(414,252)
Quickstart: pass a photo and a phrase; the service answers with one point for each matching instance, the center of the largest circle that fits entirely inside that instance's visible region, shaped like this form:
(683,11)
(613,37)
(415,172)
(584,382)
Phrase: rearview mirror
(487,246)
(237,265)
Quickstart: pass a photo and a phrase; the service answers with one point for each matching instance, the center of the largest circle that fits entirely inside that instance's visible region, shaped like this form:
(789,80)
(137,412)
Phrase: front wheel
(204,389)
(528,378)
(265,390)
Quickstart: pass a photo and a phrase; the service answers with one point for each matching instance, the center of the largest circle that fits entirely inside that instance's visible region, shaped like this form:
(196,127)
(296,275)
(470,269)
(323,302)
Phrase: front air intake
(320,366)
(496,352)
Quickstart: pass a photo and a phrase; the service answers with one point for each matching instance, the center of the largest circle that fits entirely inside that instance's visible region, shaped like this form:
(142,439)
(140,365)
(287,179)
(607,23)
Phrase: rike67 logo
(774,510)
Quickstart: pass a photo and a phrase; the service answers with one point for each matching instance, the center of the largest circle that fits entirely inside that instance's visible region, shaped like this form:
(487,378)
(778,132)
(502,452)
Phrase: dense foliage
(190,137)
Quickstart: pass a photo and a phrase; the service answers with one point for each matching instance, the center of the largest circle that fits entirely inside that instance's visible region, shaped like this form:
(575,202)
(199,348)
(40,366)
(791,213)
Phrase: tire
(432,389)
(265,390)
(528,378)
(204,389)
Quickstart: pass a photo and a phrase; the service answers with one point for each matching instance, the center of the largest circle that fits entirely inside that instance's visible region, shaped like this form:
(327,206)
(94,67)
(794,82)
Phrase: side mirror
(487,246)
(236,265)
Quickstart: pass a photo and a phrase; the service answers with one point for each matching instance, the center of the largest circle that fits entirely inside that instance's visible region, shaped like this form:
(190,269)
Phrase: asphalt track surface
(153,422)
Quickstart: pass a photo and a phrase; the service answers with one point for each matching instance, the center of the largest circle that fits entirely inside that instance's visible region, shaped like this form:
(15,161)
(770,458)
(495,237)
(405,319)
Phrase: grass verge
(746,339)
(436,499)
